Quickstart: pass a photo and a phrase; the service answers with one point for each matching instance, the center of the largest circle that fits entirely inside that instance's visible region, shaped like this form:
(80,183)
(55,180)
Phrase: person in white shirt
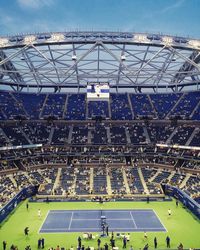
(39,214)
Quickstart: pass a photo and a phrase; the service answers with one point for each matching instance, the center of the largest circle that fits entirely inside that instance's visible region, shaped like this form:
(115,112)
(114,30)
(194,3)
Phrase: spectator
(39,243)
(124,242)
(42,243)
(155,242)
(180,247)
(169,212)
(4,245)
(106,246)
(145,236)
(168,241)
(98,242)
(26,231)
(79,241)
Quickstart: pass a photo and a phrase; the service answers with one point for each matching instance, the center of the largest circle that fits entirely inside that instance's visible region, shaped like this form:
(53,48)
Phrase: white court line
(142,211)
(85,219)
(60,212)
(94,228)
(43,222)
(126,211)
(107,211)
(70,220)
(133,220)
(86,211)
(64,212)
(51,229)
(71,230)
(160,220)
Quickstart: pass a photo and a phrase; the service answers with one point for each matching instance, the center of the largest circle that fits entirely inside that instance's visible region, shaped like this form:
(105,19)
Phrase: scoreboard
(98,91)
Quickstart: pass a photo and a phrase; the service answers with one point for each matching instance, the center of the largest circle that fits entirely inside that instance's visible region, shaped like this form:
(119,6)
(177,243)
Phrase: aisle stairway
(109,189)
(155,175)
(184,182)
(125,181)
(57,180)
(91,179)
(143,181)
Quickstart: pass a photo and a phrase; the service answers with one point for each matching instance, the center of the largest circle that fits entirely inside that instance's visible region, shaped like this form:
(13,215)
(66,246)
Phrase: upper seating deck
(121,106)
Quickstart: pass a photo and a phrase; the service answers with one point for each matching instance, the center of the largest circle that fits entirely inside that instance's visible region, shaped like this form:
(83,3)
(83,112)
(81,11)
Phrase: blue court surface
(139,220)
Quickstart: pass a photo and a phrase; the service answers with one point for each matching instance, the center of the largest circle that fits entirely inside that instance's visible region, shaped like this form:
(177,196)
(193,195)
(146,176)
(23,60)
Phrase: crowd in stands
(98,133)
(26,158)
(124,128)
(163,103)
(82,185)
(7,190)
(192,187)
(76,107)
(120,107)
(115,181)
(99,182)
(142,105)
(187,103)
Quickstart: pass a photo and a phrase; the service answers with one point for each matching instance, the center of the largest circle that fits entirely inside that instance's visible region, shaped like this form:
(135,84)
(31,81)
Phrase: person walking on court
(79,241)
(176,203)
(4,245)
(42,243)
(98,242)
(169,212)
(155,243)
(39,243)
(107,230)
(27,205)
(39,213)
(112,242)
(106,246)
(26,230)
(168,241)
(180,247)
(145,236)
(124,242)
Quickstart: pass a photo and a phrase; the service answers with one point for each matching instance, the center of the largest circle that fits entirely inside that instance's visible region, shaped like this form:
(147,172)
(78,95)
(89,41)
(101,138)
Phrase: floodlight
(167,40)
(194,43)
(123,58)
(29,39)
(74,57)
(3,42)
(57,37)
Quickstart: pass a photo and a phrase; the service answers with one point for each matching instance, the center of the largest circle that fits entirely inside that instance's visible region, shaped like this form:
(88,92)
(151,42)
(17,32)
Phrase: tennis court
(59,221)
